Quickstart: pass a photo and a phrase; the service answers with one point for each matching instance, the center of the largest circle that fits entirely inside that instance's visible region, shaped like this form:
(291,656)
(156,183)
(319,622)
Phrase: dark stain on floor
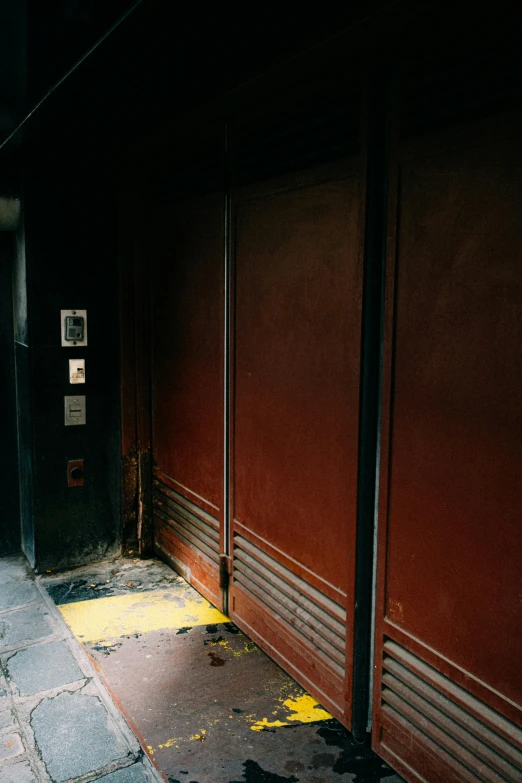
(231,628)
(111,578)
(215,660)
(358,760)
(214,640)
(255,774)
(78,590)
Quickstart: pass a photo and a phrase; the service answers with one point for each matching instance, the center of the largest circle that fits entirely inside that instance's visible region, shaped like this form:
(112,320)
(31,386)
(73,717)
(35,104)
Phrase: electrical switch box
(76,370)
(74,328)
(75,410)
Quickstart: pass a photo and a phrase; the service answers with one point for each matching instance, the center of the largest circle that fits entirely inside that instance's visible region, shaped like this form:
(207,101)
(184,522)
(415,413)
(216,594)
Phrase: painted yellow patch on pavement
(108,618)
(302,709)
(267,724)
(306,710)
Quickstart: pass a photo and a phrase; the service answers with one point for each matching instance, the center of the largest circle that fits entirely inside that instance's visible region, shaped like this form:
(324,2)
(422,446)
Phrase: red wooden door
(295,423)
(187,388)
(448,690)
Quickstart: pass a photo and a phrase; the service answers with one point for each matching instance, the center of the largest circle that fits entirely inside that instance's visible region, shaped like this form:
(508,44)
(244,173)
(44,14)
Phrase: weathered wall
(23,395)
(71,254)
(9,494)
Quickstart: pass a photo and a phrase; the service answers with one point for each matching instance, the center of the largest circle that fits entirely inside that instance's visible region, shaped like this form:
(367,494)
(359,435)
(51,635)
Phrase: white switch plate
(76,370)
(76,343)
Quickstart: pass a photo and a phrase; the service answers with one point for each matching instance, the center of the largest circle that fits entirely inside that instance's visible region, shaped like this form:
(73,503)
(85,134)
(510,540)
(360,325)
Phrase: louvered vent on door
(315,622)
(195,529)
(320,131)
(469,737)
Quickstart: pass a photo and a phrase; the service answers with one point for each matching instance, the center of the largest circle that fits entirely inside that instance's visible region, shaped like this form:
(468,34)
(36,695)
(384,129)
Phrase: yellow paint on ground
(266,724)
(136,613)
(302,708)
(306,710)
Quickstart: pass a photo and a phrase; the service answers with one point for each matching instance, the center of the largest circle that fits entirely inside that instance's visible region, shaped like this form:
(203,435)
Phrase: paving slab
(75,735)
(14,594)
(17,773)
(43,667)
(25,625)
(10,746)
(13,569)
(7,719)
(134,774)
(4,695)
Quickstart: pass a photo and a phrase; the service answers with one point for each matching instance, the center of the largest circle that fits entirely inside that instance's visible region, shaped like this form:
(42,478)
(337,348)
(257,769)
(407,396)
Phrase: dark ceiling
(162,57)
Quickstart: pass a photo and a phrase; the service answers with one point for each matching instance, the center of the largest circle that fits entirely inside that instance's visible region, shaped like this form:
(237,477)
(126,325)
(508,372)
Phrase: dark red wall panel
(188,347)
(451,536)
(297,344)
(187,387)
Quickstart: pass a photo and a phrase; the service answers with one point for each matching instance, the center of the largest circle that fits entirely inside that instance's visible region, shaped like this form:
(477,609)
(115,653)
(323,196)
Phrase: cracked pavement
(57,722)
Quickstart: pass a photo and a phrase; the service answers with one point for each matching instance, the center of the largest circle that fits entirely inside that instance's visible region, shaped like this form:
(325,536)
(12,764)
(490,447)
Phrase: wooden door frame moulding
(375,152)
(136,459)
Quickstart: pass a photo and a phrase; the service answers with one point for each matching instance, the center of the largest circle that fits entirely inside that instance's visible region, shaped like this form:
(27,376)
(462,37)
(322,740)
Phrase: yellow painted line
(103,619)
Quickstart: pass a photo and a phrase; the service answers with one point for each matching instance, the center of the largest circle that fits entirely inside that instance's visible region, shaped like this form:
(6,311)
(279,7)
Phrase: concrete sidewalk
(57,722)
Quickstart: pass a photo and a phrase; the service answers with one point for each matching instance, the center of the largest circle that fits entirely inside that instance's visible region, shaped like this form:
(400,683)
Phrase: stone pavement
(57,721)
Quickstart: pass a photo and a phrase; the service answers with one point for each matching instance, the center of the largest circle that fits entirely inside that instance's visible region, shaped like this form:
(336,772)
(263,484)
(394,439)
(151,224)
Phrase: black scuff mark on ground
(79,590)
(355,759)
(255,774)
(106,649)
(231,628)
(185,629)
(211,629)
(214,640)
(236,709)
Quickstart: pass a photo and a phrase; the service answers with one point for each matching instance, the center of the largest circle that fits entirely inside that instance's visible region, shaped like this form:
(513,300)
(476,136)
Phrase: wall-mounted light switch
(75,409)
(76,370)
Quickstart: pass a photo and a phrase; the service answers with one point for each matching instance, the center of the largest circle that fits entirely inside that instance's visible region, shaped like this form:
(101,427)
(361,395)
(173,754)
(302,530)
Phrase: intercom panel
(74,328)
